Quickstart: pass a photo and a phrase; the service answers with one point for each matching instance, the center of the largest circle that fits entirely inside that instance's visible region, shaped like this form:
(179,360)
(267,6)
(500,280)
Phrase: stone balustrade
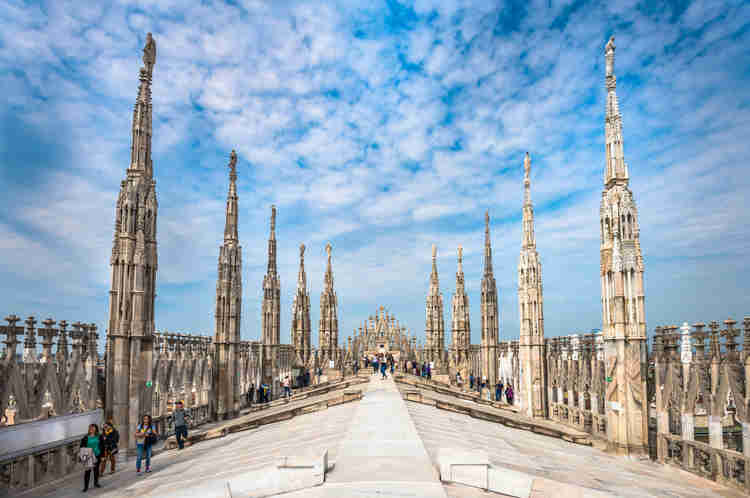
(38,382)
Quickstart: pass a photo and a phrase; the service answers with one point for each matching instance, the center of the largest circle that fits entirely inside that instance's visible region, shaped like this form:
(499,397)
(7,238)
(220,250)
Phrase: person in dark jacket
(94,441)
(111,439)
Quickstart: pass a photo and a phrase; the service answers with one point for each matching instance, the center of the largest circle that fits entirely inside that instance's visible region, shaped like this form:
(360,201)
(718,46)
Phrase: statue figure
(302,251)
(460,253)
(527,165)
(487,217)
(609,53)
(328,250)
(233,162)
(149,53)
(434,251)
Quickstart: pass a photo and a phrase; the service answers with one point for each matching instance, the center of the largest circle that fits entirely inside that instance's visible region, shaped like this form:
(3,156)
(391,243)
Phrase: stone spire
(134,265)
(532,391)
(487,247)
(228,307)
(434,319)
(271,311)
(616,169)
(623,315)
(528,209)
(301,313)
(460,324)
(489,308)
(328,331)
(140,150)
(230,227)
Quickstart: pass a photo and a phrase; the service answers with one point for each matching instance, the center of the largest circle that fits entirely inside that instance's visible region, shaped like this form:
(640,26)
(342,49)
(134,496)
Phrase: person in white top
(287,387)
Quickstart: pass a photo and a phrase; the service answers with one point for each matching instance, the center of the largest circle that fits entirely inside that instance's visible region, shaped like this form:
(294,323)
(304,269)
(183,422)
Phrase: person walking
(374,366)
(459,380)
(92,440)
(145,437)
(382,371)
(180,424)
(287,388)
(251,394)
(429,370)
(471,381)
(509,393)
(499,393)
(111,439)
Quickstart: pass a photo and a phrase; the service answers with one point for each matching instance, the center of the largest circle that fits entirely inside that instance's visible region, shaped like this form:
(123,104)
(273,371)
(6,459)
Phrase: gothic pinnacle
(272,243)
(329,269)
(140,150)
(434,283)
(528,208)
(301,277)
(230,230)
(487,245)
(526,179)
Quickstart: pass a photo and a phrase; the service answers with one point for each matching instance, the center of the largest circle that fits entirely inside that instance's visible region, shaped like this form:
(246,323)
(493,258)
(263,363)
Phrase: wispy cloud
(383,129)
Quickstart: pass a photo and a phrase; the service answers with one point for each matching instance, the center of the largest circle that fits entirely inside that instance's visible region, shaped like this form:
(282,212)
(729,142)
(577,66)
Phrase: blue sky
(383,128)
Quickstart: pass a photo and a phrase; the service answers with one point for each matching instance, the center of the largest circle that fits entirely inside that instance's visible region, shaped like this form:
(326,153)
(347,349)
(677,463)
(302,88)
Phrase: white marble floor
(556,459)
(202,470)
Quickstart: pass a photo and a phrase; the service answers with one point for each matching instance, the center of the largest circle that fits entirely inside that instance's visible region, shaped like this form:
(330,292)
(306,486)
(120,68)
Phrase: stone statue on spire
(434,251)
(149,54)
(609,54)
(273,218)
(328,250)
(233,162)
(527,165)
(301,251)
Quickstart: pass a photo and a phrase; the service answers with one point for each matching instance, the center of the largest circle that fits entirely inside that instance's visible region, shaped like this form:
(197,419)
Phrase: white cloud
(380,175)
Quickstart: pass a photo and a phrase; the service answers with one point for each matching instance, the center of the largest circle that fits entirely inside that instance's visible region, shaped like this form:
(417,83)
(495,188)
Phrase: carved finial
(460,253)
(434,251)
(487,219)
(328,250)
(302,251)
(273,218)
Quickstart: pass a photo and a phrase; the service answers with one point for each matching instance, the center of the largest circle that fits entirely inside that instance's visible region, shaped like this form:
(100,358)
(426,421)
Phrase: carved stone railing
(703,371)
(39,452)
(39,382)
(722,466)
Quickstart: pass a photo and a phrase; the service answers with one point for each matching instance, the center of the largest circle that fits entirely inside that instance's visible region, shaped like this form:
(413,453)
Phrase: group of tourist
(382,362)
(482,383)
(97,448)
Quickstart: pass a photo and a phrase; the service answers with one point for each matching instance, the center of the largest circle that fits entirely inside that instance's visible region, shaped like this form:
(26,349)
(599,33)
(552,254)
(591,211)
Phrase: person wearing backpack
(111,439)
(145,437)
(93,441)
